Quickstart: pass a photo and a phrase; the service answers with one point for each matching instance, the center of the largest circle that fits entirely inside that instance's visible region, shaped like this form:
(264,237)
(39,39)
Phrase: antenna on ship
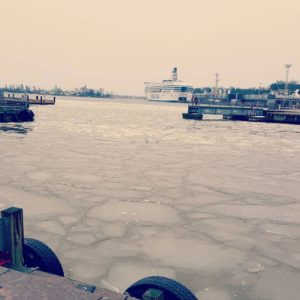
(286,85)
(216,85)
(174,74)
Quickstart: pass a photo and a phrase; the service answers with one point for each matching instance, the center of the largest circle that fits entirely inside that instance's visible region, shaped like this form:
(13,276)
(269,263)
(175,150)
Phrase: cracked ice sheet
(217,202)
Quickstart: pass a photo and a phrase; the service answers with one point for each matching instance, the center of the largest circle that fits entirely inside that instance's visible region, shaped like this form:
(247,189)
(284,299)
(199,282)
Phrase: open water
(123,189)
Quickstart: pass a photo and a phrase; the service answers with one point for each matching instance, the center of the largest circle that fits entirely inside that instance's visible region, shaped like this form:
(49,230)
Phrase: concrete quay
(244,113)
(14,285)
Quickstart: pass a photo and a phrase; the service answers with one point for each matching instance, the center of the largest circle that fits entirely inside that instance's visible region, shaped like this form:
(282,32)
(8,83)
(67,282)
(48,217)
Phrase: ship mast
(216,85)
(174,74)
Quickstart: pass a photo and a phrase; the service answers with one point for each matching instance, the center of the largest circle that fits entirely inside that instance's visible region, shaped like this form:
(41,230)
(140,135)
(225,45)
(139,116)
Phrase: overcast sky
(120,44)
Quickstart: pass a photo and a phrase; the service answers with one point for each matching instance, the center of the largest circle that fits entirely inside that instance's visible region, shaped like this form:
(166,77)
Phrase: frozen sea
(123,189)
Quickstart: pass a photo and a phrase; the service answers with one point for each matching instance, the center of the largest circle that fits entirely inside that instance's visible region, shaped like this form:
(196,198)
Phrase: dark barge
(15,110)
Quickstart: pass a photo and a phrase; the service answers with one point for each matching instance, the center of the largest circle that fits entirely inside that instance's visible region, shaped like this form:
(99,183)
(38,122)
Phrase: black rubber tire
(38,254)
(172,289)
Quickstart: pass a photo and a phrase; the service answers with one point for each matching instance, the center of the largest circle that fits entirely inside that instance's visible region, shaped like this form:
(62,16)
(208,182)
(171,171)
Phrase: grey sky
(119,44)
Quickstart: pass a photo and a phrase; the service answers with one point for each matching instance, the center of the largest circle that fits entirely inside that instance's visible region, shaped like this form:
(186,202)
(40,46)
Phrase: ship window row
(153,90)
(169,89)
(180,89)
(177,87)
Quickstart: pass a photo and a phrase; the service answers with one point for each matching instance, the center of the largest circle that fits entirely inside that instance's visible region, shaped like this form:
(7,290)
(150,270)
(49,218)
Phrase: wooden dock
(37,100)
(42,100)
(244,113)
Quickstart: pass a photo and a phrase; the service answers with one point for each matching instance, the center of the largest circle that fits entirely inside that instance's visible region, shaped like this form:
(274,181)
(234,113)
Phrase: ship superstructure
(169,90)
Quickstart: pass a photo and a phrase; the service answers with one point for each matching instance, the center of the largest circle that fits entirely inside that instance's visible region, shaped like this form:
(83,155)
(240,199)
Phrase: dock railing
(30,99)
(274,104)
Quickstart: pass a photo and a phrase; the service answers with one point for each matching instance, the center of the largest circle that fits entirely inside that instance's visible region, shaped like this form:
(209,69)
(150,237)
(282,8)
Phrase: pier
(42,100)
(15,110)
(36,100)
(244,113)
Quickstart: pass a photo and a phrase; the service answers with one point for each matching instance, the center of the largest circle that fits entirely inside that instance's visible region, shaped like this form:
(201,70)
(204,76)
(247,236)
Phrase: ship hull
(169,97)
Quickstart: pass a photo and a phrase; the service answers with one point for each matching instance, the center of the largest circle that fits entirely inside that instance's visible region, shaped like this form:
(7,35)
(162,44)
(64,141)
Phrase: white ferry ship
(169,90)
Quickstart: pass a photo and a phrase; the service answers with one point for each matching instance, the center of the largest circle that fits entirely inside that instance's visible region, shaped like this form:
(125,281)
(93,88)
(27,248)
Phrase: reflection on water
(126,189)
(15,128)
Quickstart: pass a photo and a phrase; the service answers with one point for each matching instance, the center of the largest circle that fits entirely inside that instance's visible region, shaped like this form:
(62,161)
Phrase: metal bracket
(86,287)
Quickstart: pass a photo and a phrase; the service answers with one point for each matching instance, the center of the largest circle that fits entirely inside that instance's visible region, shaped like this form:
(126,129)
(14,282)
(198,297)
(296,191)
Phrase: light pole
(286,85)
